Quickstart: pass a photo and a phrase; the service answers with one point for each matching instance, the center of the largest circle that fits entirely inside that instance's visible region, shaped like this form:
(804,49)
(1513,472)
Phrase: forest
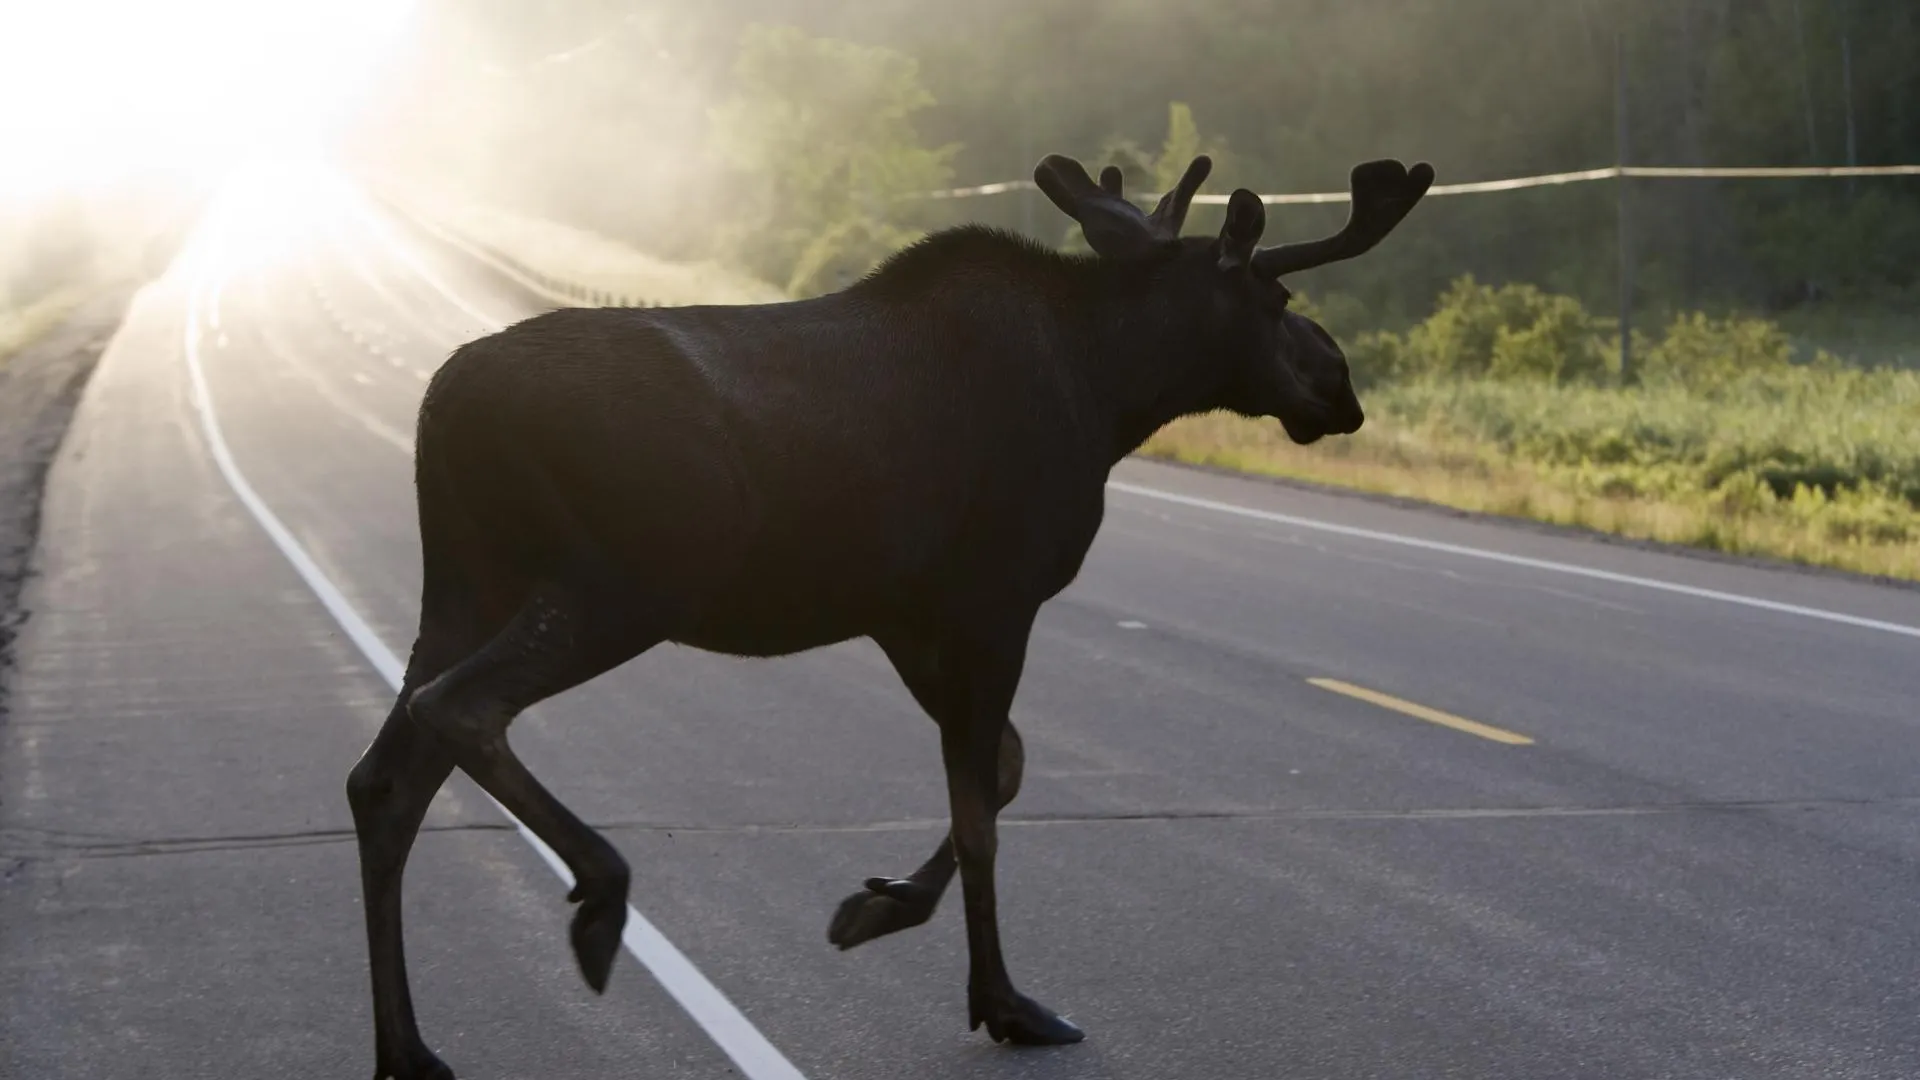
(1773,407)
(688,128)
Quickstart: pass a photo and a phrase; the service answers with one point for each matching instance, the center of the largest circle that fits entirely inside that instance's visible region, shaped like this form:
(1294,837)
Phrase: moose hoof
(1020,1020)
(884,906)
(596,931)
(420,1064)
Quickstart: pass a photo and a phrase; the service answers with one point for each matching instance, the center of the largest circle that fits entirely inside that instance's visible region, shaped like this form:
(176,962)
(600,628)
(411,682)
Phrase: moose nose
(1344,414)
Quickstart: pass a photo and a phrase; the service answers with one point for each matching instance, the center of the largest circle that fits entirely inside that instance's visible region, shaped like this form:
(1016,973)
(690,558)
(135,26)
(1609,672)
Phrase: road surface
(1317,787)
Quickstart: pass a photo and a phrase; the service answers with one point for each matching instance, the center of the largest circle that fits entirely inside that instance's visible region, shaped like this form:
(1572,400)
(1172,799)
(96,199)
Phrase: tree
(821,126)
(819,146)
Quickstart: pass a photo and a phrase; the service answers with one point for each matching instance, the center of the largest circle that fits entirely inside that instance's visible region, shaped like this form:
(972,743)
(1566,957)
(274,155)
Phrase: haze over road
(1271,826)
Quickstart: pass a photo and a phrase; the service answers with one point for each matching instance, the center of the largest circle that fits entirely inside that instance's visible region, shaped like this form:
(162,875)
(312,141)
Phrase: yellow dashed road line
(1422,712)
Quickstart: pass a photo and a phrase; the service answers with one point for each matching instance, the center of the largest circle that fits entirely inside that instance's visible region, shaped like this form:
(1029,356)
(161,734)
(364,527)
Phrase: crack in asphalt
(39,845)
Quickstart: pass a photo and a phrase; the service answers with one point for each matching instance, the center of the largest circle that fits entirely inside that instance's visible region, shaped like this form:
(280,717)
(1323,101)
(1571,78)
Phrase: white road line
(420,326)
(411,262)
(1519,560)
(316,381)
(724,1023)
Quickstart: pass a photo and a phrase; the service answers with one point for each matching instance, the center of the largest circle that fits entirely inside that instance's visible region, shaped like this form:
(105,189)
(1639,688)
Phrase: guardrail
(550,287)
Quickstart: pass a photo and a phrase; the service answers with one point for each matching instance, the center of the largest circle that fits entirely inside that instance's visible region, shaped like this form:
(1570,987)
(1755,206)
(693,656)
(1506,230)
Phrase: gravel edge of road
(40,386)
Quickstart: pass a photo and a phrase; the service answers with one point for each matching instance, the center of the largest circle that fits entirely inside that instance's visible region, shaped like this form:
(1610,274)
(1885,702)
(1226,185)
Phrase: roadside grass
(21,326)
(1734,435)
(1414,446)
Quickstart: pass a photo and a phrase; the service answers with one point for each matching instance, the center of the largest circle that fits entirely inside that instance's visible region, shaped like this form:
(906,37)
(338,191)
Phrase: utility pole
(1694,197)
(1846,82)
(1625,239)
(1806,83)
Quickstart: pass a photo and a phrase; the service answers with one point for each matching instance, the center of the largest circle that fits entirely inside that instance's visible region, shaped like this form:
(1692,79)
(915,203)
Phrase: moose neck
(1146,362)
(1136,355)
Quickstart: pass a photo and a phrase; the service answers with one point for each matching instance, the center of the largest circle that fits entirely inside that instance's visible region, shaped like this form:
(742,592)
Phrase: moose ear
(1246,220)
(1110,180)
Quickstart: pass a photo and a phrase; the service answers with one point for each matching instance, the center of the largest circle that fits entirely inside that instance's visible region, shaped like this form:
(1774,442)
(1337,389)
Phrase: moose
(919,459)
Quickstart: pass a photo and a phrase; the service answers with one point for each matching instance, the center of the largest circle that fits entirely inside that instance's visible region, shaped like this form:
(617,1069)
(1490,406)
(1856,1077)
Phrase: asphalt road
(1704,863)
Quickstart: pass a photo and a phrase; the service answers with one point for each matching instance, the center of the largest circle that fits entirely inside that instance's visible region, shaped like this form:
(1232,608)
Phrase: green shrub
(1703,352)
(1558,346)
(1376,357)
(1830,430)
(1504,332)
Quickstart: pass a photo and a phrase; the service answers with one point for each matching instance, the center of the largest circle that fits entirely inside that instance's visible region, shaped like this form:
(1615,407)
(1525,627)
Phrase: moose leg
(886,905)
(389,789)
(973,715)
(560,639)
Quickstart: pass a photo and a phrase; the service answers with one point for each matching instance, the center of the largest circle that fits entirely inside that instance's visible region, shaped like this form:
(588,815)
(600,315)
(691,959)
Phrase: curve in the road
(756,1057)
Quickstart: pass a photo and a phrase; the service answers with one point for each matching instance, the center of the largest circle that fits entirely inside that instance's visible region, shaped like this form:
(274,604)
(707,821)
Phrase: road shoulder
(40,387)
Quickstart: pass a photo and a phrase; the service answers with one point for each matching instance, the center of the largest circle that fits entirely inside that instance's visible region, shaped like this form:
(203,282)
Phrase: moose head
(1272,361)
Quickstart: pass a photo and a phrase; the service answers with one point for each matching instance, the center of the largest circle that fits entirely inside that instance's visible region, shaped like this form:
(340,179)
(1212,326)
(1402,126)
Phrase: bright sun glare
(95,89)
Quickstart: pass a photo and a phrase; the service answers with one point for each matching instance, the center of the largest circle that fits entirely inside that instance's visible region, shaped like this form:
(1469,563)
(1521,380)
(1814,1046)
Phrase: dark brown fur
(919,459)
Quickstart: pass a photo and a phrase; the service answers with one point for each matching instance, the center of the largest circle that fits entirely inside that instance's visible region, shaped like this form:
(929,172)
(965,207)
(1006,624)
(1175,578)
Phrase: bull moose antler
(1117,228)
(1384,191)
